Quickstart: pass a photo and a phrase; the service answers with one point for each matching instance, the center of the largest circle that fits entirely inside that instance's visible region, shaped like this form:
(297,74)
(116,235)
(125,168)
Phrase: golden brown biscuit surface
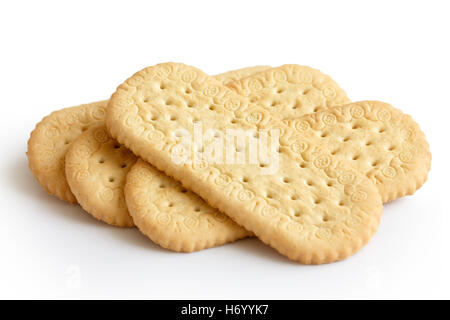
(370,136)
(48,143)
(96,169)
(373,138)
(291,91)
(174,217)
(236,75)
(321,213)
(50,140)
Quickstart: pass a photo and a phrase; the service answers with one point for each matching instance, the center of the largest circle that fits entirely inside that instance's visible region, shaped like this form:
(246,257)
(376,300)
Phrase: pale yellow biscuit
(183,241)
(50,140)
(291,91)
(96,169)
(174,217)
(235,75)
(372,137)
(48,143)
(321,213)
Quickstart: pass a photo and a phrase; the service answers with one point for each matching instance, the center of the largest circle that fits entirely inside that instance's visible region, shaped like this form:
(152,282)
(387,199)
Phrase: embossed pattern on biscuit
(370,136)
(174,217)
(50,140)
(316,214)
(373,138)
(291,91)
(235,75)
(96,169)
(52,137)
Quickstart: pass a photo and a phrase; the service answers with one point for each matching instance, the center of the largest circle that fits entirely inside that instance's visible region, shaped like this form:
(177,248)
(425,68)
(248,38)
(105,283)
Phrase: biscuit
(291,91)
(352,134)
(319,213)
(96,169)
(373,138)
(281,92)
(174,217)
(48,143)
(50,140)
(235,75)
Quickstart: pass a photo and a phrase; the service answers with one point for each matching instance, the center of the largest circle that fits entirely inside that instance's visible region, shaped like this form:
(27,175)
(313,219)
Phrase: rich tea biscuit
(96,169)
(286,91)
(48,143)
(50,140)
(372,137)
(174,217)
(321,213)
(235,75)
(291,91)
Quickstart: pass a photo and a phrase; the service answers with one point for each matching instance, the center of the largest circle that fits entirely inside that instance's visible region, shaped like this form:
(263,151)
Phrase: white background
(54,54)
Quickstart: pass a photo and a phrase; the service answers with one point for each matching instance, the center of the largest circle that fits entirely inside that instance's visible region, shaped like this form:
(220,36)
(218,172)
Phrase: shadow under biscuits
(135,238)
(19,177)
(256,247)
(389,206)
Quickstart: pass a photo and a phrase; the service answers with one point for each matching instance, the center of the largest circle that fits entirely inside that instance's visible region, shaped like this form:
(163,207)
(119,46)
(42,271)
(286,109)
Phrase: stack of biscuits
(158,155)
